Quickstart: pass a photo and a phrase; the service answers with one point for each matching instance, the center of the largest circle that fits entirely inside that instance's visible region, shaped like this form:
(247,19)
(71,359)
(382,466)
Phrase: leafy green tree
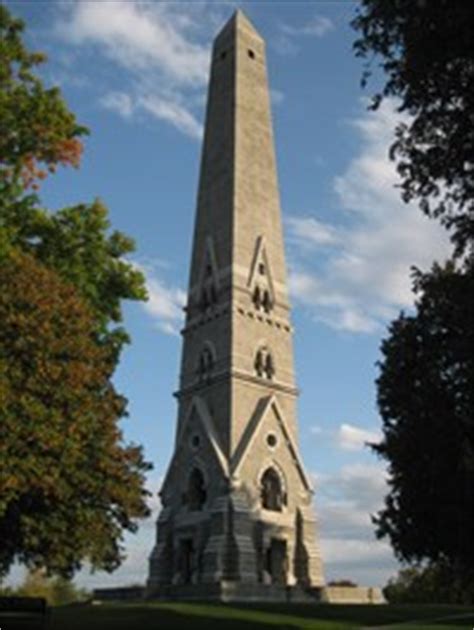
(425,398)
(37,130)
(76,243)
(432,584)
(69,486)
(427,57)
(57,591)
(37,133)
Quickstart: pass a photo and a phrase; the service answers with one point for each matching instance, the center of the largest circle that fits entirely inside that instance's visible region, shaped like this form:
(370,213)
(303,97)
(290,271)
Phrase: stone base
(236,592)
(352,595)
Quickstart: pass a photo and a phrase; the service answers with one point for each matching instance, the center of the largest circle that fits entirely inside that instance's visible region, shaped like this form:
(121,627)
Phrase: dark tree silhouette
(426,400)
(426,373)
(427,56)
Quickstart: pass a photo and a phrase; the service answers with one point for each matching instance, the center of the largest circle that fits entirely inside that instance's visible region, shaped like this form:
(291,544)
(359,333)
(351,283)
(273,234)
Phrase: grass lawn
(187,616)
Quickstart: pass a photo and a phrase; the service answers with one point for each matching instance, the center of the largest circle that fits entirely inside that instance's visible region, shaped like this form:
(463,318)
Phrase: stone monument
(237,521)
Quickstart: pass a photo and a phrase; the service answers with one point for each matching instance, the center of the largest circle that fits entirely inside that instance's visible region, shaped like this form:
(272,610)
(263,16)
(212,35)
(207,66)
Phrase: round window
(272,440)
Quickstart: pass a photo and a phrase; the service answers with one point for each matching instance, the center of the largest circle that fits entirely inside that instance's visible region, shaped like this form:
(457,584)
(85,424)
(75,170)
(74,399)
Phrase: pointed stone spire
(236,462)
(238,188)
(238,21)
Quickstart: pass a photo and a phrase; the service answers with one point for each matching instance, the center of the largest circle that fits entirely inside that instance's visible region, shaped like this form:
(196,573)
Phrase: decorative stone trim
(272,386)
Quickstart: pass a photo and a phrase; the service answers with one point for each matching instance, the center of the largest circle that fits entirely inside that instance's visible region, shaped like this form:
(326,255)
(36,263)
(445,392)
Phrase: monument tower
(237,518)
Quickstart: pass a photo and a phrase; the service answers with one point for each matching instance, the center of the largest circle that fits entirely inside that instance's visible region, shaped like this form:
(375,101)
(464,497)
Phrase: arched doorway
(196,492)
(276,561)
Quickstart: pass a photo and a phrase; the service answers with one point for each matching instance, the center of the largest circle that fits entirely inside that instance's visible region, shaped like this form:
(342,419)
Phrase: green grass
(188,616)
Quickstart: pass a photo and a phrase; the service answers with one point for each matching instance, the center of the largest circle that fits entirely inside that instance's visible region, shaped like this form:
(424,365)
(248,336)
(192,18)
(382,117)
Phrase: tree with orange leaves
(37,130)
(69,485)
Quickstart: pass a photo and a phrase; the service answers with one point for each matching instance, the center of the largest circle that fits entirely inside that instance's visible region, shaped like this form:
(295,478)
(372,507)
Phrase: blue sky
(135,73)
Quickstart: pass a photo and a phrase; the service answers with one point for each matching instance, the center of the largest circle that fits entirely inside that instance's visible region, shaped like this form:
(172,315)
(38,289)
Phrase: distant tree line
(57,591)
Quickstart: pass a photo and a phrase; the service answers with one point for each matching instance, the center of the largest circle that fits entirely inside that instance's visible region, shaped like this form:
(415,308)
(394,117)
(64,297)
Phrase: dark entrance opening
(276,561)
(187,560)
(271,491)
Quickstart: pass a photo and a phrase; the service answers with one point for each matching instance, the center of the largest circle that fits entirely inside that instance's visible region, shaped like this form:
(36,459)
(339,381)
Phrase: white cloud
(166,108)
(345,502)
(309,231)
(137,35)
(288,34)
(359,274)
(165,303)
(160,53)
(352,438)
(277,97)
(174,113)
(118,102)
(318,26)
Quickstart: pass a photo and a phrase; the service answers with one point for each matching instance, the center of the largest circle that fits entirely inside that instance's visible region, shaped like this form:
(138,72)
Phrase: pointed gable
(264,407)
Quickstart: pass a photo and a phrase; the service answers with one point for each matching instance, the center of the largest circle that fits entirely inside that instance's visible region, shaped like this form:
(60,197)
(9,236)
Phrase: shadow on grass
(194,616)
(22,622)
(140,617)
(359,615)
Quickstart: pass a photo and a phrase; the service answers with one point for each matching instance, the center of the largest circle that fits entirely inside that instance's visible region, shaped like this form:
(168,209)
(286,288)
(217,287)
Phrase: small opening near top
(223,54)
(251,54)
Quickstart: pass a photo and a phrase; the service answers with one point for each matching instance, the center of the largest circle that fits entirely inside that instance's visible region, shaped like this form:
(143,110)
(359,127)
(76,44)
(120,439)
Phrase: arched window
(205,364)
(196,493)
(271,491)
(266,302)
(264,366)
(259,363)
(209,295)
(261,299)
(256,297)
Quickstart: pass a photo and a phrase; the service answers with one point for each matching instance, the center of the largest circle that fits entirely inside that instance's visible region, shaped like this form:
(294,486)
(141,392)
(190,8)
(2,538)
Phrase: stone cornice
(228,375)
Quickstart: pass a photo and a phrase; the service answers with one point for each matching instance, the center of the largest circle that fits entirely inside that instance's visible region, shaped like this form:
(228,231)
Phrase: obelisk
(237,520)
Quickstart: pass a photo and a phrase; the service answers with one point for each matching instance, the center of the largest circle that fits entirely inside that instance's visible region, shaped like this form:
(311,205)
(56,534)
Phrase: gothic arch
(208,284)
(264,362)
(260,282)
(272,487)
(206,360)
(195,492)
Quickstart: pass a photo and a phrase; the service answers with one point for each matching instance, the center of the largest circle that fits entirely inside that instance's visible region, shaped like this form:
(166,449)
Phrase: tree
(69,486)
(37,133)
(75,242)
(427,57)
(432,584)
(57,591)
(426,374)
(425,398)
(37,130)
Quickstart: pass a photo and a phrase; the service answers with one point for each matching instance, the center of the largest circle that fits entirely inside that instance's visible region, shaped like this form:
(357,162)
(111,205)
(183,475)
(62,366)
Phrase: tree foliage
(69,485)
(426,373)
(425,398)
(432,584)
(57,591)
(427,58)
(76,243)
(37,130)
